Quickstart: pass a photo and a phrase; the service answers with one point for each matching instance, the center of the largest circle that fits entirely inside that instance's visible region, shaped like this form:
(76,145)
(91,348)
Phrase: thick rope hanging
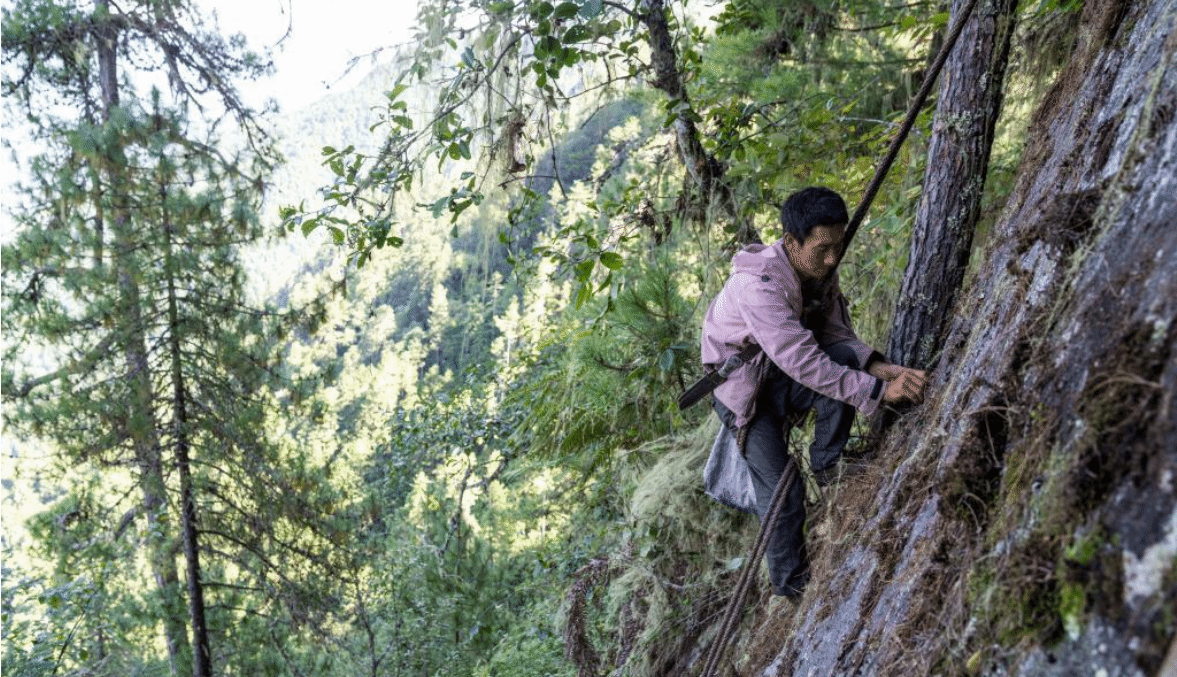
(768,525)
(748,572)
(872,188)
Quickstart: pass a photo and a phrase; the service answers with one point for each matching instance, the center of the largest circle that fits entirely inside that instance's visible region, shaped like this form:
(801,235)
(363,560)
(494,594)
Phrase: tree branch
(82,365)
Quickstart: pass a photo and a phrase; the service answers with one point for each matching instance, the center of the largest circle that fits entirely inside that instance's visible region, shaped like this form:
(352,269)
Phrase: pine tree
(131,345)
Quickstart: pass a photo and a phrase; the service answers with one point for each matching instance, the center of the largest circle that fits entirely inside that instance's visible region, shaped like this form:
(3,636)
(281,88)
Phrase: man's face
(820,252)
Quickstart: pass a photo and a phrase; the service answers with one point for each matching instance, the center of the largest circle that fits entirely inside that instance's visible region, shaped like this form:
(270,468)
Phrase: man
(808,358)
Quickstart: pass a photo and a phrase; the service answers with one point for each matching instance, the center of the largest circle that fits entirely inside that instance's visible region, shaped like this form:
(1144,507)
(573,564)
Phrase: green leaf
(396,91)
(606,282)
(611,260)
(584,269)
(567,10)
(577,33)
(583,294)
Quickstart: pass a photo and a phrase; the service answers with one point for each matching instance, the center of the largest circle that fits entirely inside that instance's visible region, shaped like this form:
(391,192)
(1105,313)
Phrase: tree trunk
(958,158)
(201,653)
(704,172)
(141,420)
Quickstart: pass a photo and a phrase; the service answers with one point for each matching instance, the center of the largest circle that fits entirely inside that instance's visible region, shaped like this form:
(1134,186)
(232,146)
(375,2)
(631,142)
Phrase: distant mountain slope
(334,120)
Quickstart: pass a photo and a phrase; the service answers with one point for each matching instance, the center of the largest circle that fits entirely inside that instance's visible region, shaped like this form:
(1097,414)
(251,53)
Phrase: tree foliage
(509,77)
(132,350)
(480,425)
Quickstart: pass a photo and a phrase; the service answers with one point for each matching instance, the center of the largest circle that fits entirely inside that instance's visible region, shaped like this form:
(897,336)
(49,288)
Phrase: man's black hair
(811,207)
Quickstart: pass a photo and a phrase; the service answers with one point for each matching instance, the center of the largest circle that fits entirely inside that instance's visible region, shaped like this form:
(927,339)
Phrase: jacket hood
(757,255)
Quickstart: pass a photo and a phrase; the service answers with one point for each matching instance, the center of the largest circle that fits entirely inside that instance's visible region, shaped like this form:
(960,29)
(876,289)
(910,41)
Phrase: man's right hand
(907,386)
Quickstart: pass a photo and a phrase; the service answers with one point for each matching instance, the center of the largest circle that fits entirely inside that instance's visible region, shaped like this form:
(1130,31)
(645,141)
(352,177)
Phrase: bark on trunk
(141,423)
(958,159)
(201,649)
(705,173)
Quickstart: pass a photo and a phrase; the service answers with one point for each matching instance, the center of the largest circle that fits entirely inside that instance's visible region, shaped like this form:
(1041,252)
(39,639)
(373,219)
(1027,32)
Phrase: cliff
(1022,521)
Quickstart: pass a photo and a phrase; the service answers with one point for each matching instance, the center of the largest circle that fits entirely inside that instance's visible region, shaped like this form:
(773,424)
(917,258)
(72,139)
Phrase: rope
(768,525)
(748,572)
(872,188)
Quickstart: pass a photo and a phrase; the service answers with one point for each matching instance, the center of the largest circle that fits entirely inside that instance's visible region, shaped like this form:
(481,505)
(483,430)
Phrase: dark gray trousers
(780,404)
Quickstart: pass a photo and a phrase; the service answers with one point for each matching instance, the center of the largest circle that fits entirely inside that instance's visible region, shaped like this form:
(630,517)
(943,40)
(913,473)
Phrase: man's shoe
(795,585)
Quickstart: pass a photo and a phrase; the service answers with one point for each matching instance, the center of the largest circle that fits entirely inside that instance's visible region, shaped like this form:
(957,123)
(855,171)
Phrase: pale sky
(325,34)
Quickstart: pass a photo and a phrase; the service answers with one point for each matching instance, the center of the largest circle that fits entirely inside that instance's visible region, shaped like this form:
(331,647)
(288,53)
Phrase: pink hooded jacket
(761,303)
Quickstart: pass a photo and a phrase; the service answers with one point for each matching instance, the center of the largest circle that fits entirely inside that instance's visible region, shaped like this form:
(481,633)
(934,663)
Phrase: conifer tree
(131,346)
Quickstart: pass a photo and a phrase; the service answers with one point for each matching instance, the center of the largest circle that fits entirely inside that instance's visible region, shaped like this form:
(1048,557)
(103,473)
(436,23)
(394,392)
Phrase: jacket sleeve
(774,320)
(837,329)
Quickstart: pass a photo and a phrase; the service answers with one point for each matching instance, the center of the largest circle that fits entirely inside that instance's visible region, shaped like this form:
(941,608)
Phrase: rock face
(1022,521)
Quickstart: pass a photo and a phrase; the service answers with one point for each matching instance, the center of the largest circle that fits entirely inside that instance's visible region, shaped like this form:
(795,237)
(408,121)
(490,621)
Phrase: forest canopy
(387,386)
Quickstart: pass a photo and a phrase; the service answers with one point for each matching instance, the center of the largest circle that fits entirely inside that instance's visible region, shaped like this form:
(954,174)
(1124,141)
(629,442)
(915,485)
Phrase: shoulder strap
(713,379)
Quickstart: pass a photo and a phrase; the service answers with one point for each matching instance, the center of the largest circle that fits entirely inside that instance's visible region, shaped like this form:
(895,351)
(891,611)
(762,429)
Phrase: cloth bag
(726,476)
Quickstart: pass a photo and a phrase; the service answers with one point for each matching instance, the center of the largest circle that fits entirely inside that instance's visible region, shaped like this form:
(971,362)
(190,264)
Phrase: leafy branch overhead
(487,91)
(508,72)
